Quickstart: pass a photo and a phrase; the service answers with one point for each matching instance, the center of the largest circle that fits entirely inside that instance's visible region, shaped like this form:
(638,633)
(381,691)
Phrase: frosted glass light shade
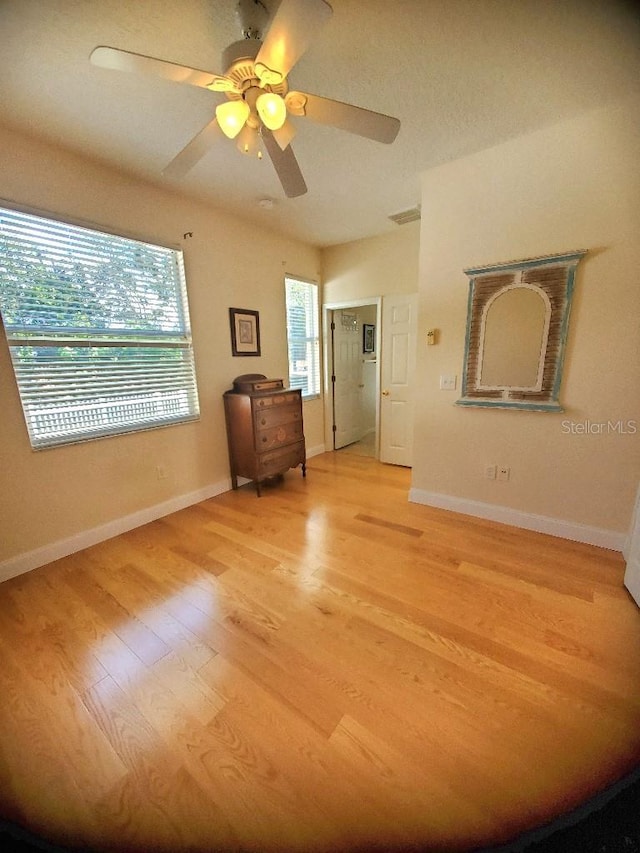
(272,110)
(231,117)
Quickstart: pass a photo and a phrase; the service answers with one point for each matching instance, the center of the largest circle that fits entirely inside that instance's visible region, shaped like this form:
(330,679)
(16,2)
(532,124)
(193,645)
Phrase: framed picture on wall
(245,331)
(368,337)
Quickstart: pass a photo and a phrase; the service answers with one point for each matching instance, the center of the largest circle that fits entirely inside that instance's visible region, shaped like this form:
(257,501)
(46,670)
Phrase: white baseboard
(602,537)
(22,563)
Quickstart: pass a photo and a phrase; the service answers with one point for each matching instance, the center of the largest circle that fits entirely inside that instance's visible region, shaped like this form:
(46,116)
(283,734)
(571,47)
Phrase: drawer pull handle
(263,421)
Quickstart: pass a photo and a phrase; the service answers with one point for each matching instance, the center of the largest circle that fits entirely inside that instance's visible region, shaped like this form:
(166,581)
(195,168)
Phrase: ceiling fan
(258,99)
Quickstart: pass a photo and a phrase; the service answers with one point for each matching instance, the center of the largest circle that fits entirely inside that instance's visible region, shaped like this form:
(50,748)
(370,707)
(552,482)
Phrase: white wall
(571,186)
(51,496)
(376,266)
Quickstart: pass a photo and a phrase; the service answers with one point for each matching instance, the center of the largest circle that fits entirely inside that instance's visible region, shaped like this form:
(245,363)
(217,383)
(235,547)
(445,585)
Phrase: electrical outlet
(490,472)
(504,473)
(161,471)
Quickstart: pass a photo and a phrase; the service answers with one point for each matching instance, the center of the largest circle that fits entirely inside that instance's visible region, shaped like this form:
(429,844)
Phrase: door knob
(385,393)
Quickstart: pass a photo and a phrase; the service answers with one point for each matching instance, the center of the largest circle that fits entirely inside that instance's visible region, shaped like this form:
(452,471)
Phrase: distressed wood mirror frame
(551,278)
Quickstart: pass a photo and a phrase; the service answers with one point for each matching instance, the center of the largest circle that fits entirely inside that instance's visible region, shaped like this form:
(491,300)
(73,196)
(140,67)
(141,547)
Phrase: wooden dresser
(264,429)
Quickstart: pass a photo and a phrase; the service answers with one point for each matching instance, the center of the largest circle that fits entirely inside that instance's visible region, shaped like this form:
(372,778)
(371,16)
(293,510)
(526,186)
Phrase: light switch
(448,383)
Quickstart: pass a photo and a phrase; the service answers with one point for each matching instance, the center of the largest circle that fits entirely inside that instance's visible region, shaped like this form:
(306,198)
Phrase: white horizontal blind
(303,336)
(98,329)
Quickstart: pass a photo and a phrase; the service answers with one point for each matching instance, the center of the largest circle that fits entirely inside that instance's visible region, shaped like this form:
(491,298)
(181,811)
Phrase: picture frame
(492,376)
(368,337)
(245,331)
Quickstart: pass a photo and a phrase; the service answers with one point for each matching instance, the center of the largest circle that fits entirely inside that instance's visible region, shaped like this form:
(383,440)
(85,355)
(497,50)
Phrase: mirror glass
(513,341)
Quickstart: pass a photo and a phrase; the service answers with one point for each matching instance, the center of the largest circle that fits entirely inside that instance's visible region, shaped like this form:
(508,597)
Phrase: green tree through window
(98,330)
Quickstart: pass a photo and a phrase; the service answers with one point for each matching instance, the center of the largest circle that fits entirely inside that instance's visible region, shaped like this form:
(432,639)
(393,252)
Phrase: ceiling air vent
(405,216)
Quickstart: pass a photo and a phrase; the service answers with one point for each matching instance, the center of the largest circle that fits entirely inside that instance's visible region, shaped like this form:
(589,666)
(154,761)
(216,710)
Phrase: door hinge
(333,428)
(333,326)
(333,378)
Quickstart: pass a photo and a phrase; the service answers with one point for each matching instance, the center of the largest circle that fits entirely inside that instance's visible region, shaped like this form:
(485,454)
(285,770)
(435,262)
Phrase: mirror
(513,342)
(517,322)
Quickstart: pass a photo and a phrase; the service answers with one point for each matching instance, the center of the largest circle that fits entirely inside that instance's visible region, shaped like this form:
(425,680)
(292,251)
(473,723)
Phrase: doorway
(369,376)
(353,375)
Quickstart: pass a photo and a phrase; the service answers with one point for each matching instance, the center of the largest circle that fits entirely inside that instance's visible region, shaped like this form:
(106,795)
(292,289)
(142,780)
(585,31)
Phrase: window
(303,336)
(98,330)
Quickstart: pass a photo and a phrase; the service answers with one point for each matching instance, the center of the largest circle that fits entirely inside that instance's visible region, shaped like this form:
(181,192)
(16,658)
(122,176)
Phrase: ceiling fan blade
(123,60)
(285,134)
(294,25)
(286,166)
(194,151)
(376,126)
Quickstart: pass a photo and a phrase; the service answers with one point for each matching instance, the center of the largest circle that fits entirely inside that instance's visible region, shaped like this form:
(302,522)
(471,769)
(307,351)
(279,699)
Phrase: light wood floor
(326,668)
(365,447)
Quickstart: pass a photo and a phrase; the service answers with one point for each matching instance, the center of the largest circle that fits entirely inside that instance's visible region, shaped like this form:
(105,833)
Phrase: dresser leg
(304,469)
(234,481)
(258,490)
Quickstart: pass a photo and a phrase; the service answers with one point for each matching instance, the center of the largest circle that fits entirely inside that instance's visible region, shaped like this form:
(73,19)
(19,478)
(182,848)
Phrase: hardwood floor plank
(53,784)
(248,639)
(390,525)
(353,687)
(163,542)
(190,690)
(496,663)
(422,807)
(510,631)
(348,804)
(140,639)
(328,667)
(128,583)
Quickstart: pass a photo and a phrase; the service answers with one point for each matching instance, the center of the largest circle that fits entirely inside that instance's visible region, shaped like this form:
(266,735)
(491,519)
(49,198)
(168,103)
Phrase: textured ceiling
(461,75)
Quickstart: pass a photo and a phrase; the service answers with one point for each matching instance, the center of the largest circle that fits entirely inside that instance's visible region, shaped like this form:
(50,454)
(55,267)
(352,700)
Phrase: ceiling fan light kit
(249,141)
(296,103)
(258,98)
(272,110)
(232,117)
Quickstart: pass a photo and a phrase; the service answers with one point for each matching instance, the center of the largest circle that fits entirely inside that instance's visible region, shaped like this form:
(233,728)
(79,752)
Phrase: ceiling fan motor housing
(239,61)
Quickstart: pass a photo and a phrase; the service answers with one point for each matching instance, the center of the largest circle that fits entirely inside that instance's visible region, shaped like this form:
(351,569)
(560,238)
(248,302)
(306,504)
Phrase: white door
(632,574)
(347,387)
(399,330)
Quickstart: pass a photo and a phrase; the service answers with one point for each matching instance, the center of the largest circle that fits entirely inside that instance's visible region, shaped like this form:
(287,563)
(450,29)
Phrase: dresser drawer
(277,415)
(277,461)
(277,400)
(278,435)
